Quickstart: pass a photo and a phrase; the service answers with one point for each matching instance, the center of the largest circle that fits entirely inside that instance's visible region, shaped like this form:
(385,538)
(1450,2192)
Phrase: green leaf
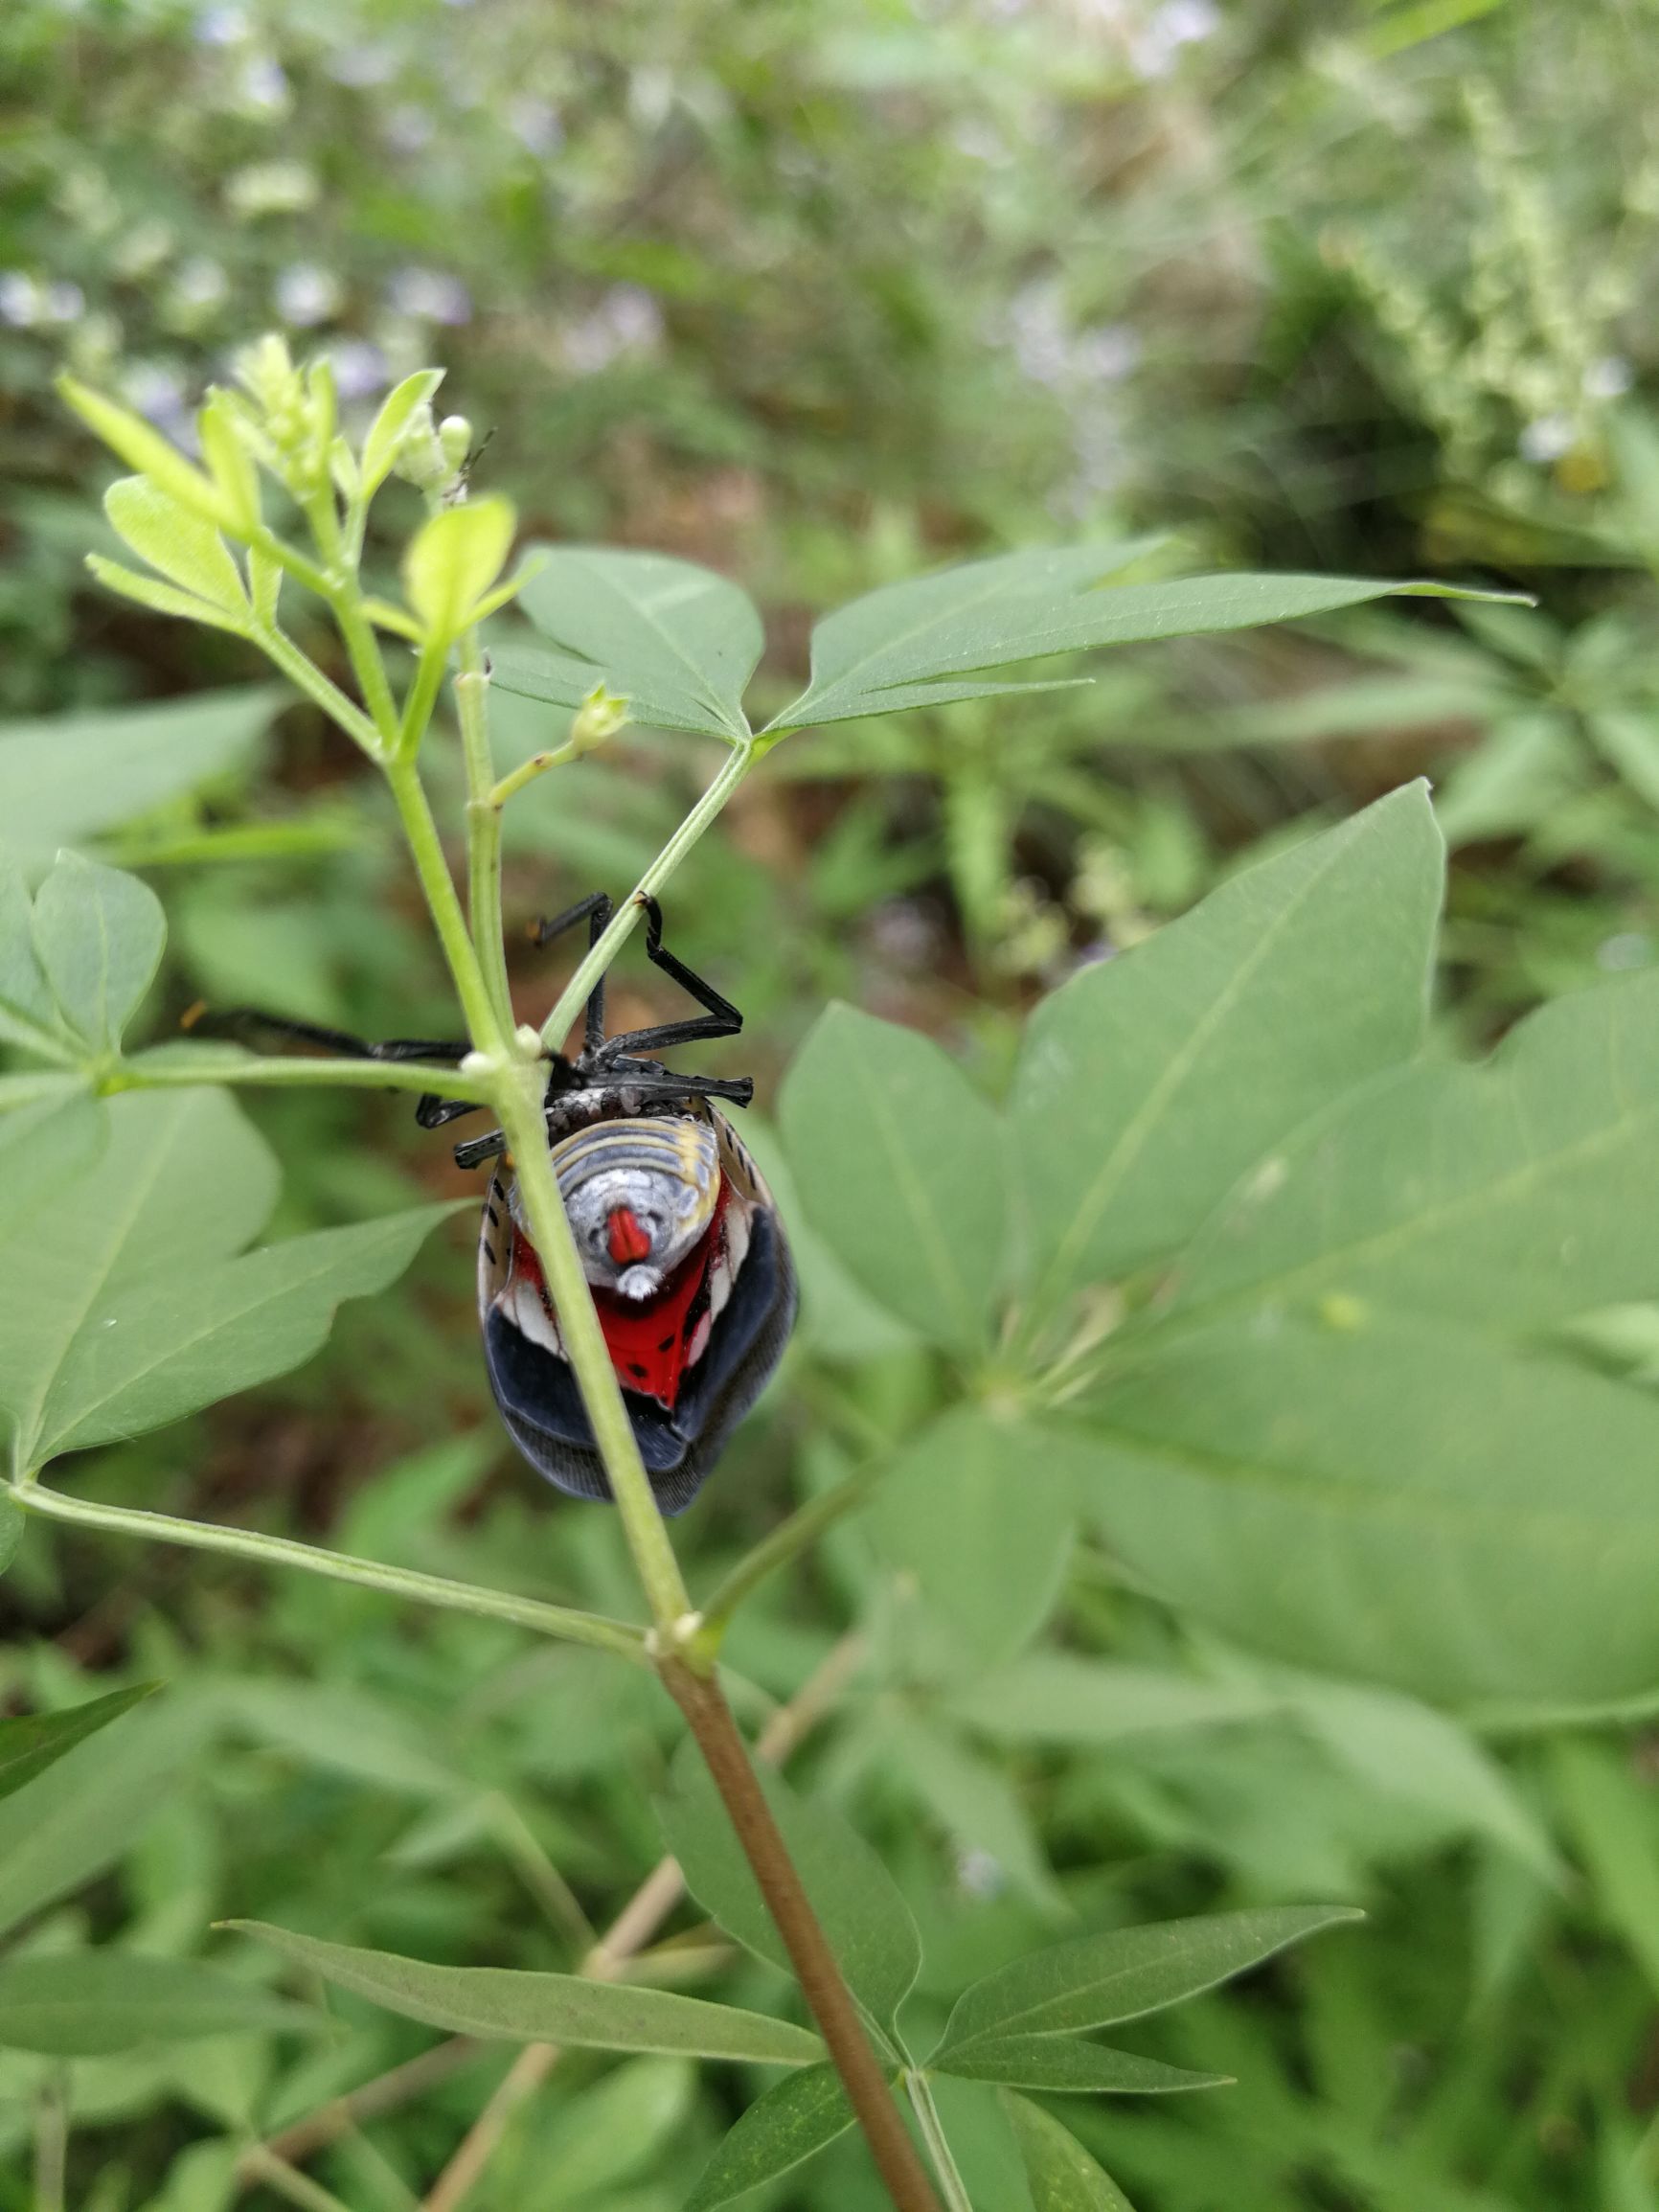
(1056,1697)
(188,1338)
(454,558)
(67,777)
(1515,1193)
(982,2143)
(85,2004)
(1406,1750)
(1066,2065)
(12,1526)
(47,1138)
(136,1308)
(29,1014)
(131,437)
(780,2130)
(925,642)
(98,936)
(857,1902)
(1627,739)
(1512,780)
(161,598)
(84,1812)
(176,543)
(898,1165)
(1063,2176)
(229,463)
(677,641)
(978,1804)
(979,1510)
(28,1746)
(386,432)
(553,2008)
(1409,1502)
(1149,1083)
(1610,1820)
(1100,1980)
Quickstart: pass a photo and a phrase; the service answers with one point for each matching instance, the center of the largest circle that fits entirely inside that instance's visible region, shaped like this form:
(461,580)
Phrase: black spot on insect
(634,1368)
(494,1216)
(667,1344)
(490,1251)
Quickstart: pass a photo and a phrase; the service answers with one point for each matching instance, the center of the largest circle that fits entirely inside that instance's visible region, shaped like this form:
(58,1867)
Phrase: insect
(678,1236)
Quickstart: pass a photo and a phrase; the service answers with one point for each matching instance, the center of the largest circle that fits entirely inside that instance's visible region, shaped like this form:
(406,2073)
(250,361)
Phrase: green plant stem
(423,696)
(575,995)
(785,1544)
(483,825)
(264,2165)
(367,663)
(424,1589)
(427,853)
(527,771)
(304,674)
(143,1074)
(52,2141)
(709,1717)
(520,1109)
(922,2104)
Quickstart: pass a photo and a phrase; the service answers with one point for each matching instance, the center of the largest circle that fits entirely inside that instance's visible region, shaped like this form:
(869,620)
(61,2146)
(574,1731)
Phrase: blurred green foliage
(818,291)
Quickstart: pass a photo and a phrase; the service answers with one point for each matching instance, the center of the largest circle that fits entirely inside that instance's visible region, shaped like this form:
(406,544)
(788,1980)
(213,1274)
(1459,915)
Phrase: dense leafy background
(819,295)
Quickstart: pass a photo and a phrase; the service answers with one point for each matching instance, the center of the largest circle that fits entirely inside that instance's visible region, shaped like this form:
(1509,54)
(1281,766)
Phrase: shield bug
(678,1236)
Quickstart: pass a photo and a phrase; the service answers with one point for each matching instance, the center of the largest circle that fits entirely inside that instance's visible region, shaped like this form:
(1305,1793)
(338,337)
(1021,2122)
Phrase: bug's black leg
(477,1149)
(722,1019)
(433,1112)
(595,909)
(239,1020)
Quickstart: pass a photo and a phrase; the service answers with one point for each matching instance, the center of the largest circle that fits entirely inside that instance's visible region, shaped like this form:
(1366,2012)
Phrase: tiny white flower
(429,296)
(307,295)
(535,123)
(1547,437)
(19,299)
(1608,378)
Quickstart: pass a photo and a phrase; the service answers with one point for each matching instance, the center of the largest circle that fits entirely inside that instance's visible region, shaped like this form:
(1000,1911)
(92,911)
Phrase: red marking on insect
(627,1238)
(649,1339)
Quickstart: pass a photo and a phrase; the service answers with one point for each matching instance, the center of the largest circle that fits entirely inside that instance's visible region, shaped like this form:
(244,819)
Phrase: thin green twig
(408,1583)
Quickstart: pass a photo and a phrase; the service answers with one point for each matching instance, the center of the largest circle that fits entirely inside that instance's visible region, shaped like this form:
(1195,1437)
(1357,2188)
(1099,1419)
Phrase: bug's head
(638,1194)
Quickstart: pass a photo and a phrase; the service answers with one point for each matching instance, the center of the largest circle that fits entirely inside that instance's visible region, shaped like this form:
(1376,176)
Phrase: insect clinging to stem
(677,1232)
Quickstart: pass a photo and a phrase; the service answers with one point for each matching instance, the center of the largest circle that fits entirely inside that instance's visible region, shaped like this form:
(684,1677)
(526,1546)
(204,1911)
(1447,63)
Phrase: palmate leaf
(859,1905)
(980,1513)
(1100,1980)
(498,2003)
(67,777)
(52,1129)
(87,2004)
(897,1162)
(1149,1083)
(1405,1501)
(28,1746)
(780,2130)
(932,638)
(1346,1415)
(132,1306)
(679,642)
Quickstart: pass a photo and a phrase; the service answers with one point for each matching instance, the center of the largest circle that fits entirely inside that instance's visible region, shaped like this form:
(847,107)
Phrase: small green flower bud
(600,715)
(454,440)
(422,460)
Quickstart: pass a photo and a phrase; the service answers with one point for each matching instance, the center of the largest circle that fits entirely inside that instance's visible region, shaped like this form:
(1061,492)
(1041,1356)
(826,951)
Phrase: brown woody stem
(709,1717)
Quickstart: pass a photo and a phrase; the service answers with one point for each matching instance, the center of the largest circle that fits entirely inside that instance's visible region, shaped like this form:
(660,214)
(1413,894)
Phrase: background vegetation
(819,295)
